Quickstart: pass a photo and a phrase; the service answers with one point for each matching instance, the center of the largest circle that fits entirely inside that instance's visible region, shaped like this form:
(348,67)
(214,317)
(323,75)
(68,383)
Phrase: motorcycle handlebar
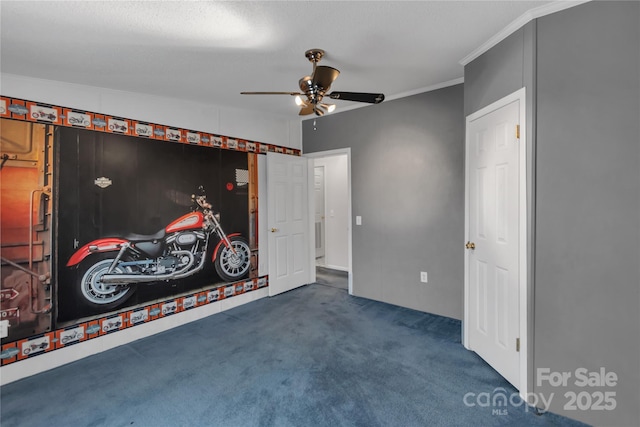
(201,200)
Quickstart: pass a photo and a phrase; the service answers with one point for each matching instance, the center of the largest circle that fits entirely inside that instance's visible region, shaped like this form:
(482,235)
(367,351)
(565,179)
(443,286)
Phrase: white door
(318,190)
(288,222)
(493,233)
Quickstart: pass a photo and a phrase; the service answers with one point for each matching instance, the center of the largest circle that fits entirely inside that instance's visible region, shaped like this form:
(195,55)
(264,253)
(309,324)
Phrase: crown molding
(355,105)
(426,89)
(521,21)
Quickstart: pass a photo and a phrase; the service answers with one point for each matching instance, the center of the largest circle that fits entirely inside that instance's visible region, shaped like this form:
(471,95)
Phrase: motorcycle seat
(133,237)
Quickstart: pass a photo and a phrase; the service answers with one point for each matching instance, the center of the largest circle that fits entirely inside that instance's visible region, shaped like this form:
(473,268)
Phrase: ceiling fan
(316,86)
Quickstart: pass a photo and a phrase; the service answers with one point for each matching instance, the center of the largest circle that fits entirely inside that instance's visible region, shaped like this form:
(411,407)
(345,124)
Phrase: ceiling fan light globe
(299,101)
(329,108)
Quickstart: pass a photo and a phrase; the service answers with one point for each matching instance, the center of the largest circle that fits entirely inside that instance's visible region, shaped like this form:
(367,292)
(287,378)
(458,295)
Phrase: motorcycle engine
(186,238)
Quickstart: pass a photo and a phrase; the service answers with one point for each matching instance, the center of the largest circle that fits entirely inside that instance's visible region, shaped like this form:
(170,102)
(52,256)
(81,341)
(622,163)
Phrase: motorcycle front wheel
(97,295)
(232,266)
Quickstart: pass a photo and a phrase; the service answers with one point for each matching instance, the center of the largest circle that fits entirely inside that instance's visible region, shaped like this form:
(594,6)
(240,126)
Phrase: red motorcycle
(114,265)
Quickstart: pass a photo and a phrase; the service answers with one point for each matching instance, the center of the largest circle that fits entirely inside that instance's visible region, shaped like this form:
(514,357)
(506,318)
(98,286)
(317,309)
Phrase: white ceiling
(210,51)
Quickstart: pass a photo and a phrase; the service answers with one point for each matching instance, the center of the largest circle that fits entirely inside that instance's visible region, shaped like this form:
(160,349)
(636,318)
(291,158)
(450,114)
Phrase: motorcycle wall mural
(140,220)
(112,266)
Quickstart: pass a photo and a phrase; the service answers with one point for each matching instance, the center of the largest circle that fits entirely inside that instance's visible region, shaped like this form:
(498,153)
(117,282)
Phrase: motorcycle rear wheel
(229,266)
(95,294)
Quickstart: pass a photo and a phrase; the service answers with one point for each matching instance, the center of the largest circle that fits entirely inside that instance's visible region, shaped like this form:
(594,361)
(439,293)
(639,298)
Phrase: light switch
(358,220)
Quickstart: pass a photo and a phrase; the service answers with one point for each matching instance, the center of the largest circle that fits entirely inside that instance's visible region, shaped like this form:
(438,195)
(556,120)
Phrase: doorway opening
(332,216)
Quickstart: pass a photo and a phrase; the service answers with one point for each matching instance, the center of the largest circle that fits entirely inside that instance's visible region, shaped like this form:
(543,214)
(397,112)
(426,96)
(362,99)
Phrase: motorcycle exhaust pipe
(127,279)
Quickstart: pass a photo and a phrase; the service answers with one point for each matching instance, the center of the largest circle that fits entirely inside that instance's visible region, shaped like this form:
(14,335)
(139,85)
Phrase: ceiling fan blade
(323,76)
(306,110)
(271,93)
(371,98)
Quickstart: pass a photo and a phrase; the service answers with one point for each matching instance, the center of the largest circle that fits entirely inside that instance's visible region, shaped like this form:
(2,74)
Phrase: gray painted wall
(496,73)
(407,159)
(588,199)
(584,82)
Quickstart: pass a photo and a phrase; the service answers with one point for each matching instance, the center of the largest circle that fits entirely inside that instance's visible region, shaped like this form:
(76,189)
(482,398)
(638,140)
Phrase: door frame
(332,153)
(324,213)
(523,283)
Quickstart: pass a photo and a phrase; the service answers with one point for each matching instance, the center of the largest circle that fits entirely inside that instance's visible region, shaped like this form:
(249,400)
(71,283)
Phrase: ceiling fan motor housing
(310,90)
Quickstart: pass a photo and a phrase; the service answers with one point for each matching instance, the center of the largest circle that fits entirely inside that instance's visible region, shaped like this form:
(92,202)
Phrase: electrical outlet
(423,277)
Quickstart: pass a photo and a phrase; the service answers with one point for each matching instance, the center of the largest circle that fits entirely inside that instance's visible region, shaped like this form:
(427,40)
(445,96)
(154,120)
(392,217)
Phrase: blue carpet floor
(314,356)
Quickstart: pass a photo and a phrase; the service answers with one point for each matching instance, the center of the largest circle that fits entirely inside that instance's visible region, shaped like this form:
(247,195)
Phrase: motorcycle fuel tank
(186,222)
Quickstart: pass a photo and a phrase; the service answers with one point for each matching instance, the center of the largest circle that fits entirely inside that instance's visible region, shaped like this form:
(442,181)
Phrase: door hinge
(518,344)
(517,131)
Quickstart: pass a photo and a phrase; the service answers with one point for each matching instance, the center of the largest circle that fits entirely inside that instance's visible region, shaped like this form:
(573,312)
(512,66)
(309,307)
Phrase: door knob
(273,230)
(470,245)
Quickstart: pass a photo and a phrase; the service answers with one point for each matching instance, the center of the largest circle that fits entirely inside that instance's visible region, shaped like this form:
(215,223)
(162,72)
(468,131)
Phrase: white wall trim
(521,21)
(311,208)
(425,89)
